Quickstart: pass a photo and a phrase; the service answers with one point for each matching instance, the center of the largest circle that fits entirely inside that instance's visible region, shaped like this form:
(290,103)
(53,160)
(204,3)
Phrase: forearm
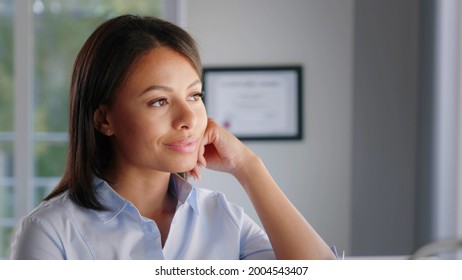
(291,236)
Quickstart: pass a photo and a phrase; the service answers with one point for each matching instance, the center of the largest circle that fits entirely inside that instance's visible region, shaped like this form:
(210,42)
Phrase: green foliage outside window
(6,69)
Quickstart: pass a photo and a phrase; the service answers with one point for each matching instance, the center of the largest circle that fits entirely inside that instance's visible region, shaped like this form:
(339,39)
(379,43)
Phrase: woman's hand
(291,236)
(221,151)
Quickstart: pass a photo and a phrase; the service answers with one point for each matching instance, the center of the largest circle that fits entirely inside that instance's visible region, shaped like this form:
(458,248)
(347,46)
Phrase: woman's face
(157,119)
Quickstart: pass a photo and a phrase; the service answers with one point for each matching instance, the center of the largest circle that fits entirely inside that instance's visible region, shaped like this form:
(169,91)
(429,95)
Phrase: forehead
(158,60)
(159,66)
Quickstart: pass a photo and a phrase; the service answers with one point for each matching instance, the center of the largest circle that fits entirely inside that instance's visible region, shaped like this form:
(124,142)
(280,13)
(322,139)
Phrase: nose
(184,116)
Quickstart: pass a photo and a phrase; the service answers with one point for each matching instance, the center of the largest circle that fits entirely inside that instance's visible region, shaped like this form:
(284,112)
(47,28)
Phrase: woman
(137,121)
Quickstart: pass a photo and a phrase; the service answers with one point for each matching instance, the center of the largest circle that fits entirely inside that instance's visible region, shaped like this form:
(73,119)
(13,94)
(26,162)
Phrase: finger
(199,173)
(196,173)
(210,134)
(201,161)
(200,158)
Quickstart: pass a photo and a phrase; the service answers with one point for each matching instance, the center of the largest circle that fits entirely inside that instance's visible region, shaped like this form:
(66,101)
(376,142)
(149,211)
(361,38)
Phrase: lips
(184,146)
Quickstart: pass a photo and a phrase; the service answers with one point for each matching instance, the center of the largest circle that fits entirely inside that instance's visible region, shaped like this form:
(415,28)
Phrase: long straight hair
(99,69)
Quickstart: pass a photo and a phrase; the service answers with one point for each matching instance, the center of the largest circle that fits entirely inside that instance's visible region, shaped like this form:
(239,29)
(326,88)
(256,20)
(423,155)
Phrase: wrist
(249,168)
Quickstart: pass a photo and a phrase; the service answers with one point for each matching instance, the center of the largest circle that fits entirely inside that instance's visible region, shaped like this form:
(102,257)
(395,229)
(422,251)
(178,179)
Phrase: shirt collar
(184,192)
(115,204)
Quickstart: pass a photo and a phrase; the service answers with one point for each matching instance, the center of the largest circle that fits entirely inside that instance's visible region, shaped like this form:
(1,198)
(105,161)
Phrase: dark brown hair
(99,69)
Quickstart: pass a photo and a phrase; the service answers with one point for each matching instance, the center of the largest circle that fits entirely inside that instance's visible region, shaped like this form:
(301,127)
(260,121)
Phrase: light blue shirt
(205,226)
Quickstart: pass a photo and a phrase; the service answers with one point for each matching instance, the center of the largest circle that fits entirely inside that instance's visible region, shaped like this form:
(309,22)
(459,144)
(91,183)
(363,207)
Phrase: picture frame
(256,103)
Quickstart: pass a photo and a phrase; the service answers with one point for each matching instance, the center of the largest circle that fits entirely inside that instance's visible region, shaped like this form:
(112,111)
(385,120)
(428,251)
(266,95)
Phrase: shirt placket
(152,239)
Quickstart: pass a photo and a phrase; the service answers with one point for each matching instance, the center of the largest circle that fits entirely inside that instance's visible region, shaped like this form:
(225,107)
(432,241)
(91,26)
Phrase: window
(6,123)
(34,97)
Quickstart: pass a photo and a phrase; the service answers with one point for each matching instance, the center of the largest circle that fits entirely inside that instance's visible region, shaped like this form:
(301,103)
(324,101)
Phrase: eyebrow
(167,88)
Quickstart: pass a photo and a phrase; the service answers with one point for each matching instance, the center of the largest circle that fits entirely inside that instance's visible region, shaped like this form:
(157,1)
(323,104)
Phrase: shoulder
(51,209)
(53,215)
(216,204)
(209,205)
(228,218)
(39,234)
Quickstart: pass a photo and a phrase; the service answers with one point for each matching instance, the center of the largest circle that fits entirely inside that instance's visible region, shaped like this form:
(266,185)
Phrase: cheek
(126,125)
(132,126)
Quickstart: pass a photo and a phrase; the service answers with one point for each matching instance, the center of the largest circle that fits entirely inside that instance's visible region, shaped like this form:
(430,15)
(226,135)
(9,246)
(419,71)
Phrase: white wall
(315,173)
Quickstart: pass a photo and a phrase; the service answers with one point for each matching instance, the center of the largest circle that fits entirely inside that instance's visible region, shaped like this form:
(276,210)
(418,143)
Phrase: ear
(101,120)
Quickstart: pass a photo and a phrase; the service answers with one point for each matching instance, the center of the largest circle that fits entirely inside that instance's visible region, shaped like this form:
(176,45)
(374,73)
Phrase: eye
(196,96)
(159,102)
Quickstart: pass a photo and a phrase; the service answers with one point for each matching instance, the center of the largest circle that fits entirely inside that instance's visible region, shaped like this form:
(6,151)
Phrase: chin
(183,167)
(178,163)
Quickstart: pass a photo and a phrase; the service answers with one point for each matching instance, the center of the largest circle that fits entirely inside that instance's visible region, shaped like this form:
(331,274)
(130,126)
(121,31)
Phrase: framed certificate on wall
(256,103)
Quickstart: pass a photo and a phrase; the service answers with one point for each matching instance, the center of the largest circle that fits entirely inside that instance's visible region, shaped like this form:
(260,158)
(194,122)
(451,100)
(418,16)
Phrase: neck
(150,194)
